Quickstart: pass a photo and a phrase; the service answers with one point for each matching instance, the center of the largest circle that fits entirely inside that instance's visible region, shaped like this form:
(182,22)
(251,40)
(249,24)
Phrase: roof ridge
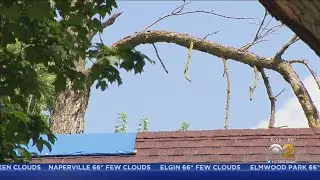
(224,130)
(231,132)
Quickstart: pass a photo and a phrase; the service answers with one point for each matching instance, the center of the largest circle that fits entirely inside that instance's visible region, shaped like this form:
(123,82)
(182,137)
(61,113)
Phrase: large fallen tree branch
(283,67)
(200,44)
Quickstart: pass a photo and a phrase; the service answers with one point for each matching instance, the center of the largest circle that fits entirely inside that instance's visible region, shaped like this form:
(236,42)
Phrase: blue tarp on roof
(89,144)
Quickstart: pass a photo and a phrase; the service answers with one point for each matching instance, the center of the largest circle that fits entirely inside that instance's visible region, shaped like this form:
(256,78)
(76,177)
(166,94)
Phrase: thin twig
(256,79)
(178,12)
(101,38)
(279,93)
(226,73)
(188,62)
(164,67)
(261,32)
(272,30)
(256,37)
(216,14)
(31,104)
(314,75)
(271,98)
(173,13)
(262,23)
(210,34)
(292,40)
(267,24)
(91,60)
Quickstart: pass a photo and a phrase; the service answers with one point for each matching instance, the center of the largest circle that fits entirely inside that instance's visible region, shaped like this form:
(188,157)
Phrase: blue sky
(169,99)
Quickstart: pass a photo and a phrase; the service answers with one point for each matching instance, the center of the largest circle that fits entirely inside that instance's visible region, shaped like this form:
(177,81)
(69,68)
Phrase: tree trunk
(301,16)
(71,105)
(69,111)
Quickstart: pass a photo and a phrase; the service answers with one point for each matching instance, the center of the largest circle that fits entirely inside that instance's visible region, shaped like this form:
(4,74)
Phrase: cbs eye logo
(286,151)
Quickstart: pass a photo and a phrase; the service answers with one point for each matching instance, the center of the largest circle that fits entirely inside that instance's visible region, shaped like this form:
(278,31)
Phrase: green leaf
(39,145)
(102,10)
(38,12)
(13,12)
(21,116)
(96,24)
(113,60)
(47,144)
(113,3)
(75,20)
(60,83)
(14,155)
(93,53)
(25,153)
(102,84)
(51,138)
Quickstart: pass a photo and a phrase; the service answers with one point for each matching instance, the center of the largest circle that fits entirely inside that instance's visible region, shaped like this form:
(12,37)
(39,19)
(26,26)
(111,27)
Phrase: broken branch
(228,89)
(279,54)
(271,98)
(108,23)
(188,62)
(210,34)
(164,67)
(256,78)
(279,93)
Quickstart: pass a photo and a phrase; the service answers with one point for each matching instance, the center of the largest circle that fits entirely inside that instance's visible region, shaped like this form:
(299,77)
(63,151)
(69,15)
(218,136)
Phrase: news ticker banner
(159,167)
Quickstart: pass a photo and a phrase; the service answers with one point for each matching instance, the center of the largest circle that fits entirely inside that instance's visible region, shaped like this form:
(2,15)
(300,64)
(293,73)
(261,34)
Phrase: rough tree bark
(301,16)
(69,111)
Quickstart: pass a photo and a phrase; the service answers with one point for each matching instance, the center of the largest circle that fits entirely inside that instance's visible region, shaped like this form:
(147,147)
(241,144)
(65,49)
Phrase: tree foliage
(143,124)
(41,43)
(184,126)
(44,46)
(122,122)
(111,59)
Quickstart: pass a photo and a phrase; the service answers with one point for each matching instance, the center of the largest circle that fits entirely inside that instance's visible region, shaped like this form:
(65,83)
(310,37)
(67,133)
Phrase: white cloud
(291,113)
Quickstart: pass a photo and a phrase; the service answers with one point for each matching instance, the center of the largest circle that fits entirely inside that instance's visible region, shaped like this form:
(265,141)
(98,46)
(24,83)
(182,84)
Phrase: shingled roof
(210,146)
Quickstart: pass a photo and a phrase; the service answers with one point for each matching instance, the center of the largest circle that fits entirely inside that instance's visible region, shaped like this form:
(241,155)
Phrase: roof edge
(229,132)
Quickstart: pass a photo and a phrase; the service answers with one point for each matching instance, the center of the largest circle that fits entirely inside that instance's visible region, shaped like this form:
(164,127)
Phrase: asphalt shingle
(209,146)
